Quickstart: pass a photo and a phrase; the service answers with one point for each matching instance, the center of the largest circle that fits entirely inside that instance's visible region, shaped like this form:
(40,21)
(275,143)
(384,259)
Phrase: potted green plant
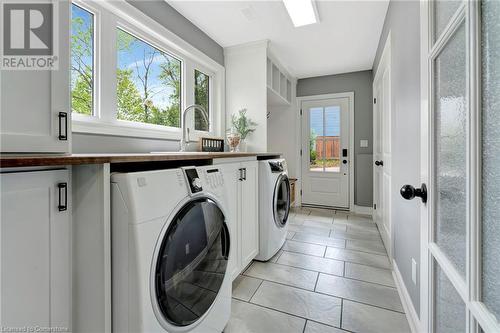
(241,125)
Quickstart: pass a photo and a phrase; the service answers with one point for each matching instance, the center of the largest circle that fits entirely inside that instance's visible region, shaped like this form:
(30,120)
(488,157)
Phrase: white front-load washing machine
(171,251)
(274,206)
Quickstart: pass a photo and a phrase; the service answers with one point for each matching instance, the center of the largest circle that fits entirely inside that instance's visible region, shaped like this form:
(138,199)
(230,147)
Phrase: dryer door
(281,200)
(191,263)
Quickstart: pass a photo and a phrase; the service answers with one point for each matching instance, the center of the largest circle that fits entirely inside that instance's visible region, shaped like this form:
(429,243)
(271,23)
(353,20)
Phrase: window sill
(125,129)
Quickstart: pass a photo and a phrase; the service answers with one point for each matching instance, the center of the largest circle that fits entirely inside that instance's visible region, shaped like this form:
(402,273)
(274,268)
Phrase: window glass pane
(443,11)
(449,307)
(316,139)
(332,139)
(82,60)
(201,97)
(450,112)
(491,154)
(148,83)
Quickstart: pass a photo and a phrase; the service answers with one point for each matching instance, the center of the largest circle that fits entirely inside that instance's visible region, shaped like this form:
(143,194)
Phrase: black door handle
(344,161)
(379,163)
(409,192)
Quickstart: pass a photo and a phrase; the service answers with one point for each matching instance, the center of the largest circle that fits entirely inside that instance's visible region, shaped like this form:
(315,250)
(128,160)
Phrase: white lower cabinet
(35,249)
(241,181)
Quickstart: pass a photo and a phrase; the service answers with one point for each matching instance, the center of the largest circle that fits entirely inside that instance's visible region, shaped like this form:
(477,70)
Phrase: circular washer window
(192,262)
(281,202)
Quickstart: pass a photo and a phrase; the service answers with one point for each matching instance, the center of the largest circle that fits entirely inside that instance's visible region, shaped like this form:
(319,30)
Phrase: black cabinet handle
(63,198)
(241,174)
(409,192)
(379,163)
(244,173)
(63,123)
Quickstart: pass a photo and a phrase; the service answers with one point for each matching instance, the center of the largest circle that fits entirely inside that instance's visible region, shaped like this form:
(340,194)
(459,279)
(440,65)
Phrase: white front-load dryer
(274,207)
(171,251)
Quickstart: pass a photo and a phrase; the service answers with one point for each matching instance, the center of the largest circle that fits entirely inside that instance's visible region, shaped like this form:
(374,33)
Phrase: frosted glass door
(450,119)
(461,257)
(490,65)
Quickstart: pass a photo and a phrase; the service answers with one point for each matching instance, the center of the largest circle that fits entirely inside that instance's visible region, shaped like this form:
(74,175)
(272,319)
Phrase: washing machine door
(281,200)
(191,263)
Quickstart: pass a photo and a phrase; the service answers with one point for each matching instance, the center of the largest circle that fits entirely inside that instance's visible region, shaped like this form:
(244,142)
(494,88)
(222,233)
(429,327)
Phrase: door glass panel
(282,201)
(491,155)
(191,263)
(316,139)
(443,11)
(332,139)
(448,305)
(450,112)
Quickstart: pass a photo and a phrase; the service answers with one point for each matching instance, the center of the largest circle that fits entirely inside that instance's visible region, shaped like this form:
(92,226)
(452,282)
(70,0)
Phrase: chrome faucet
(185,130)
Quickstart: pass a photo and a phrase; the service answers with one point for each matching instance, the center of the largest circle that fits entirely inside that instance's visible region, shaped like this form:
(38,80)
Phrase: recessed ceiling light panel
(302,12)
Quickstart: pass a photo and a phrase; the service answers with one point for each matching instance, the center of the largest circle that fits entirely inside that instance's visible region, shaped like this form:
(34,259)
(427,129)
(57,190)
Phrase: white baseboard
(410,312)
(363,210)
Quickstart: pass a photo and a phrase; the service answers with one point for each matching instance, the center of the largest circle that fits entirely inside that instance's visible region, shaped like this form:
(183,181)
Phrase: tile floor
(332,275)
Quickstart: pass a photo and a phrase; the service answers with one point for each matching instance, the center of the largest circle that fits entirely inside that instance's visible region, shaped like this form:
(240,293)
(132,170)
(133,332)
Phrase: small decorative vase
(243,146)
(233,141)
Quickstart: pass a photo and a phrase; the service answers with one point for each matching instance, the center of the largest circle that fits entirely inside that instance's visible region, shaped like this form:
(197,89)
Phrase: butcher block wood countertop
(29,160)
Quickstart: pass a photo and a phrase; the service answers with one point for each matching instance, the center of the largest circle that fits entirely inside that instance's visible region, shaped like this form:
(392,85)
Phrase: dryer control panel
(214,178)
(193,180)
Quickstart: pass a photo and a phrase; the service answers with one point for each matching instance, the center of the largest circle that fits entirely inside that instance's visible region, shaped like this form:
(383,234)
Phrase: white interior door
(459,145)
(382,147)
(325,152)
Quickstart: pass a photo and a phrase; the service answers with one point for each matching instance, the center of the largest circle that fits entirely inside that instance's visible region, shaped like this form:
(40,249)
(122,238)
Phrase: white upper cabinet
(35,104)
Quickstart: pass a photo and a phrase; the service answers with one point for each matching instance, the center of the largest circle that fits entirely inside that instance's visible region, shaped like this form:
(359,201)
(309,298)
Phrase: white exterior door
(325,152)
(460,286)
(382,147)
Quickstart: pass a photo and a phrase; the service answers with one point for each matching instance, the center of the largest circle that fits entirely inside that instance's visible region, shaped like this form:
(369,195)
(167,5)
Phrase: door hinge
(301,112)
(375,206)
(374,101)
(300,192)
(301,152)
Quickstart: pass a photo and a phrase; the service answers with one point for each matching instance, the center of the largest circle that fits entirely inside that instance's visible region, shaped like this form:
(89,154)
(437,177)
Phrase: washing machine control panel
(276,166)
(193,180)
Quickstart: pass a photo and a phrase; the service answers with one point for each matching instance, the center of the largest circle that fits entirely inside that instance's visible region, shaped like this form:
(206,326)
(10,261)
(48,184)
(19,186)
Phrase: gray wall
(171,19)
(402,21)
(166,15)
(361,84)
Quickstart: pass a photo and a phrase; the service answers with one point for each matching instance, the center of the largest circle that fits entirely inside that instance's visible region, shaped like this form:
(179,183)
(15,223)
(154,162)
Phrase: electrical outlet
(414,271)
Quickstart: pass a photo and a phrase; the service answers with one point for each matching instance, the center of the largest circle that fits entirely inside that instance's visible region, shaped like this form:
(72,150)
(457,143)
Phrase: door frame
(385,63)
(350,96)
(470,291)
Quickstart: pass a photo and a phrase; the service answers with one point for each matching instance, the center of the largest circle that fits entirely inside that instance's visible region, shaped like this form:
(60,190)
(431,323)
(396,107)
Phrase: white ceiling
(344,41)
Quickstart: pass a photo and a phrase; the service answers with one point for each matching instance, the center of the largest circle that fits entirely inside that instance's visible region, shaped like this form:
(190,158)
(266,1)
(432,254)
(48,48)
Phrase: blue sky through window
(136,57)
(332,120)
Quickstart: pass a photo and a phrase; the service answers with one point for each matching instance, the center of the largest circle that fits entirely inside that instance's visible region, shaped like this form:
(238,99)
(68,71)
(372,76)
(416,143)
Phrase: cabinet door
(249,210)
(35,238)
(231,176)
(31,101)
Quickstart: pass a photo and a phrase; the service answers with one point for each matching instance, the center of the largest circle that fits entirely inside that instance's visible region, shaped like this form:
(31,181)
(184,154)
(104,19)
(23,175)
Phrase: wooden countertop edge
(11,161)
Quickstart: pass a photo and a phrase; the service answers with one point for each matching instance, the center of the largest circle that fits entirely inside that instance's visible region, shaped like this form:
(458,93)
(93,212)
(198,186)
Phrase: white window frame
(112,15)
(211,117)
(95,63)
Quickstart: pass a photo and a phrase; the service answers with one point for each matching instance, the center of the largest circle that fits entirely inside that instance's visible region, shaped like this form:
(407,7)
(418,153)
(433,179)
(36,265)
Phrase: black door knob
(344,161)
(409,192)
(379,163)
